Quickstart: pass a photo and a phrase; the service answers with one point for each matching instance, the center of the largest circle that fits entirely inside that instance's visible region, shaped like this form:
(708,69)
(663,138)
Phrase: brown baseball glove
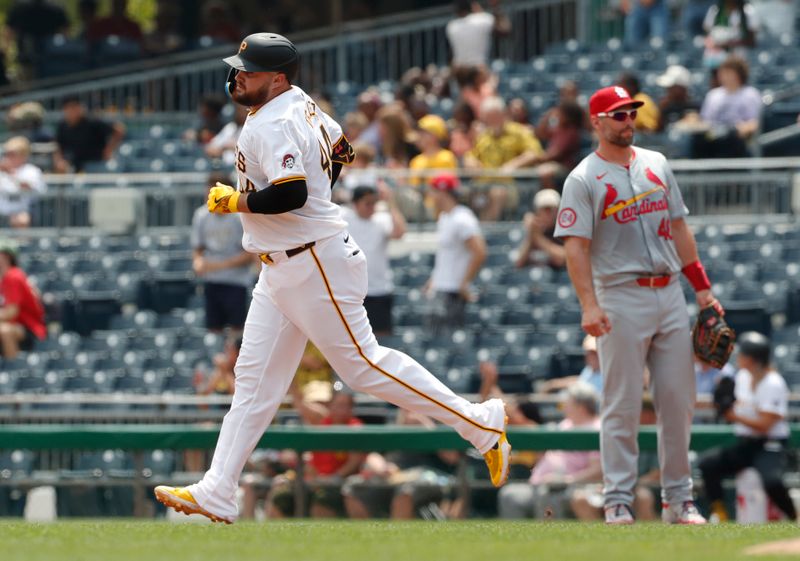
(712,338)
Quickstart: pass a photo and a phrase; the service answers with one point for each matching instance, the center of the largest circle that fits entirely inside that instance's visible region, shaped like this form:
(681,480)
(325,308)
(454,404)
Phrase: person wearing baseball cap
(676,103)
(626,241)
(432,134)
(540,247)
(460,253)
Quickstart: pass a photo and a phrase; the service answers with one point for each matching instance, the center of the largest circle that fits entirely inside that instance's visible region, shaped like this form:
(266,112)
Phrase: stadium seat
(515,361)
(61,55)
(467,358)
(14,464)
(461,380)
(567,316)
(50,382)
(180,384)
(158,463)
(93,500)
(748,316)
(143,380)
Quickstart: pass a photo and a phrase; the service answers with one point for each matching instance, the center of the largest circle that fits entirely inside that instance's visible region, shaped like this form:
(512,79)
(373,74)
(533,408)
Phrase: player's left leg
(329,309)
(673,385)
(771,462)
(269,356)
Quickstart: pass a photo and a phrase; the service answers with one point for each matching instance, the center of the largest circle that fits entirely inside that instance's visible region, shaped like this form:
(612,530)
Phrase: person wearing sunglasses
(626,241)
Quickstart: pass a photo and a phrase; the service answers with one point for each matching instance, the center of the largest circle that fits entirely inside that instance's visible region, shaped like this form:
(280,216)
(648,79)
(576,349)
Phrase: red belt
(654,282)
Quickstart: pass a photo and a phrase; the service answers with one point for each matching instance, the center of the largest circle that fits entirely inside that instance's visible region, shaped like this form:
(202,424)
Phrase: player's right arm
(579,266)
(575,224)
(279,157)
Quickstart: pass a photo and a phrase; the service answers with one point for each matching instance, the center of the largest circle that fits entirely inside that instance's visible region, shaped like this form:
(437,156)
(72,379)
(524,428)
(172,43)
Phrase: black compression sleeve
(277,199)
(336,169)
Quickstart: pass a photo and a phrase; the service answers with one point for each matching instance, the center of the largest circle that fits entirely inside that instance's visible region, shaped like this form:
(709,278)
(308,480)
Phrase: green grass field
(380,541)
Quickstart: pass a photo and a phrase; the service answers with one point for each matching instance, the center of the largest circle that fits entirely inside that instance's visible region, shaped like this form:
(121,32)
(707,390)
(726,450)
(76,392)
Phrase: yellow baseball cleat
(497,459)
(181,500)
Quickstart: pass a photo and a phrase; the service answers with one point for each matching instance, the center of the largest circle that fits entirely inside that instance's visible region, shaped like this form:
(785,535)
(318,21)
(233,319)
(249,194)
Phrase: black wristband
(277,199)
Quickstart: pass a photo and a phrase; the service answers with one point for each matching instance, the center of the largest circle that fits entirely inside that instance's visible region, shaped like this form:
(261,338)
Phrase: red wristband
(696,275)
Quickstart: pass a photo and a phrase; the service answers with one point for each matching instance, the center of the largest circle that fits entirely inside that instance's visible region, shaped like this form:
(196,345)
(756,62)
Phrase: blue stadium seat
(791,373)
(521,316)
(748,316)
(152,344)
(150,382)
(158,463)
(540,361)
(62,55)
(14,464)
(435,360)
(116,50)
(515,361)
(466,358)
(180,384)
(97,501)
(160,363)
(788,334)
(567,316)
(142,319)
(461,380)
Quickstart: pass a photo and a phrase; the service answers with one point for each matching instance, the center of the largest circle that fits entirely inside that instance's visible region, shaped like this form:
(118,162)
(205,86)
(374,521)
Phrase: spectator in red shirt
(21,313)
(325,470)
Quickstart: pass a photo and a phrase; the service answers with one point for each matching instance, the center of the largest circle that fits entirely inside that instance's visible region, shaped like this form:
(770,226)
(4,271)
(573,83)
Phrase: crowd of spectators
(173,27)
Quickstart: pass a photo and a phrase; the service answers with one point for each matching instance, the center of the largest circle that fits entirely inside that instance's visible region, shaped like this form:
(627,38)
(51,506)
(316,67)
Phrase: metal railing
(745,188)
(359,54)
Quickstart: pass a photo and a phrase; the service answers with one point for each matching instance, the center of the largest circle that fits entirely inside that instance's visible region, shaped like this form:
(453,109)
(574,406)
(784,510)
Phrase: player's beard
(620,138)
(250,99)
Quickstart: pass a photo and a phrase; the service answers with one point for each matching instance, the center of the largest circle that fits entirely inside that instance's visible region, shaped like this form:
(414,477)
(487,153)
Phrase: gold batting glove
(223,199)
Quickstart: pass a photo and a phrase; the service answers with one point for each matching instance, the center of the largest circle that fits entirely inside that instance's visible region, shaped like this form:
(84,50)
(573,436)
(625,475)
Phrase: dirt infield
(781,547)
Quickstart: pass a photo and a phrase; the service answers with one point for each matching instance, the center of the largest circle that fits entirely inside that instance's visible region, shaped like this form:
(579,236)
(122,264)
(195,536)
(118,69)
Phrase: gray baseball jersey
(626,212)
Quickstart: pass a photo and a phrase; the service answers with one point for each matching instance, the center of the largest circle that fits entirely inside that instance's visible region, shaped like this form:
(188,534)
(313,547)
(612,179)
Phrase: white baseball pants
(649,327)
(318,295)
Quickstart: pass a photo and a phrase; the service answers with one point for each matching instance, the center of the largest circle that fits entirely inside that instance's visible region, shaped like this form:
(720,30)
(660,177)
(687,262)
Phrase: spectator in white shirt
(762,433)
(223,144)
(470,34)
(460,253)
(20,181)
(372,231)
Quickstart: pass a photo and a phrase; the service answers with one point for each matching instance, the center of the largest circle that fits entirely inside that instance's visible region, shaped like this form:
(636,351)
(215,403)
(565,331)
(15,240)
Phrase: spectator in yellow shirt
(431,135)
(648,115)
(505,146)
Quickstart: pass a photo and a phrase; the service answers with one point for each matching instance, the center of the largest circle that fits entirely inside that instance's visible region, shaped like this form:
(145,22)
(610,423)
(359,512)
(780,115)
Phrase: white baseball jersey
(290,138)
(626,211)
(771,395)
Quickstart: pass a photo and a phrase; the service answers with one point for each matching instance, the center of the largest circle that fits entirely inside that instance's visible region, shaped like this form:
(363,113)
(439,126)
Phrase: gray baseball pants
(649,328)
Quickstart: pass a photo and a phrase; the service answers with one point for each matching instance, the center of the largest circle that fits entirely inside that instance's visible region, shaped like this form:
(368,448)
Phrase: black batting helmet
(754,345)
(263,52)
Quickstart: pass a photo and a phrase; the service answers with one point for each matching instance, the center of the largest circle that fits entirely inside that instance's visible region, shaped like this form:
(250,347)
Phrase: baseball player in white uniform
(312,284)
(626,240)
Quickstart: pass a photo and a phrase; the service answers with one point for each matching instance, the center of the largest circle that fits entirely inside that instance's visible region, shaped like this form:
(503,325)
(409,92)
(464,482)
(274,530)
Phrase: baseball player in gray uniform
(626,240)
(312,284)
